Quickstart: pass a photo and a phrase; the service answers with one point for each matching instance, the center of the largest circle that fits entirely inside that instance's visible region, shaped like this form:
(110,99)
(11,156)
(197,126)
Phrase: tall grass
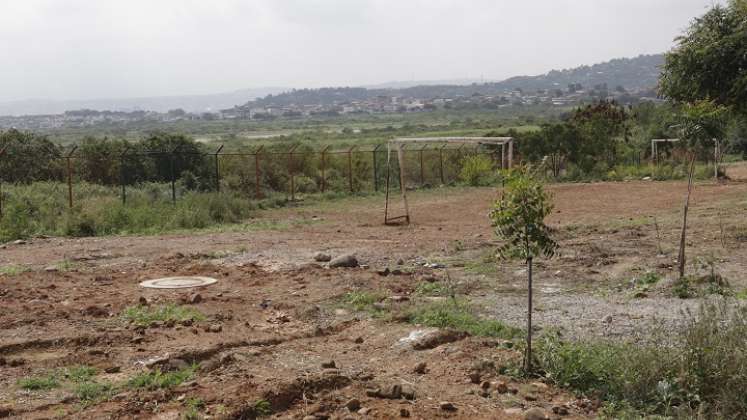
(42,209)
(698,372)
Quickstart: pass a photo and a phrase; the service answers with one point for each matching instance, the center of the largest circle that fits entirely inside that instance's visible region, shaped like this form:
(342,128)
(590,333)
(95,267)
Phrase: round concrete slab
(178,282)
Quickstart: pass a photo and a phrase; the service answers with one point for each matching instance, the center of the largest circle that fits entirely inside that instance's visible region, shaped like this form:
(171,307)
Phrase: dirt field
(274,330)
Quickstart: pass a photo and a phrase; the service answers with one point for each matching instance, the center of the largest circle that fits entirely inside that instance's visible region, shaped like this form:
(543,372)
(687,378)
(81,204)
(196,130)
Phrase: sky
(85,49)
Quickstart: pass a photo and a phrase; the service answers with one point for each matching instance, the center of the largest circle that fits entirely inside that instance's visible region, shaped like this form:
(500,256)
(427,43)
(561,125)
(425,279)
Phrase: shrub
(156,379)
(477,170)
(457,316)
(699,372)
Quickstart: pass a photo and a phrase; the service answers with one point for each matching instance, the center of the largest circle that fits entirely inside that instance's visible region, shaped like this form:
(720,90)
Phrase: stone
(535,414)
(214,328)
(447,406)
(137,340)
(113,369)
(176,364)
(142,301)
(353,405)
(51,269)
(403,412)
(421,368)
(399,298)
(560,410)
(485,385)
(344,261)
(358,340)
(195,299)
(408,393)
(607,319)
(322,257)
(363,411)
(19,242)
(436,338)
(475,377)
(383,272)
(500,387)
(329,364)
(394,392)
(373,393)
(400,261)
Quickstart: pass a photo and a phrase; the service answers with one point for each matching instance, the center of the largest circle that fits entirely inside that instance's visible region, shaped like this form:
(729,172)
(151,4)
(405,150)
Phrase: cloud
(107,48)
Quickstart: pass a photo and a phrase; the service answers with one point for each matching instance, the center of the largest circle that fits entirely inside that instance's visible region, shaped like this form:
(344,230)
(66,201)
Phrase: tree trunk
(681,257)
(528,355)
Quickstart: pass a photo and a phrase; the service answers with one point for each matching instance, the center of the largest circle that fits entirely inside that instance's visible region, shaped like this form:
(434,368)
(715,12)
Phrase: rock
(403,412)
(19,242)
(447,406)
(475,377)
(353,405)
(500,387)
(607,319)
(322,257)
(358,340)
(112,369)
(95,311)
(394,392)
(186,322)
(399,298)
(176,364)
(373,393)
(383,271)
(560,410)
(329,364)
(195,299)
(142,301)
(214,328)
(138,339)
(408,393)
(51,269)
(420,368)
(400,261)
(363,411)
(344,261)
(485,385)
(535,414)
(435,338)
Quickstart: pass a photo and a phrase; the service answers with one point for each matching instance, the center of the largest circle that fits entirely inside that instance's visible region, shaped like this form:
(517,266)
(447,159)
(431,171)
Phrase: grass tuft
(156,379)
(458,316)
(39,383)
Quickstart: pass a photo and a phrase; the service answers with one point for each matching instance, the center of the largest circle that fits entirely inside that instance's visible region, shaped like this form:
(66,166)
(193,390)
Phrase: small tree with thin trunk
(519,219)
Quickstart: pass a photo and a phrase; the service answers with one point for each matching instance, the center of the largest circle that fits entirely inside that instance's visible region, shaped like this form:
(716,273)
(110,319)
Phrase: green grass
(698,372)
(13,270)
(40,383)
(362,301)
(432,289)
(90,392)
(80,373)
(458,316)
(262,408)
(193,407)
(145,315)
(156,379)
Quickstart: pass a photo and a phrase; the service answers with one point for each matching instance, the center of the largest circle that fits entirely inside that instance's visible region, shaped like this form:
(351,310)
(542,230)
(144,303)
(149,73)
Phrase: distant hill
(189,103)
(634,74)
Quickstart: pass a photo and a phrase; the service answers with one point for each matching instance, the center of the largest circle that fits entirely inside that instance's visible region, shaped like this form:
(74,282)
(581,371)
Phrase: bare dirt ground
(274,322)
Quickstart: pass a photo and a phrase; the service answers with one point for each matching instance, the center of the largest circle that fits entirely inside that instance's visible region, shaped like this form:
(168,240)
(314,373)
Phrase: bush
(700,372)
(477,170)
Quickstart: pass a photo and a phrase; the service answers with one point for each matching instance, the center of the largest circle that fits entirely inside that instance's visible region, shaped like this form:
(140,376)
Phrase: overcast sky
(81,49)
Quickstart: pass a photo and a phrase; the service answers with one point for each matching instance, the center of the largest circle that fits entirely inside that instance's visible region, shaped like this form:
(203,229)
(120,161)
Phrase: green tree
(519,220)
(28,157)
(710,59)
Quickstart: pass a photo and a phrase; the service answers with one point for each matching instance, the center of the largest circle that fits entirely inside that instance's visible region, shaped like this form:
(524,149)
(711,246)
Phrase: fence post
(324,163)
(257,175)
(217,170)
(173,178)
(350,168)
(422,170)
(2,153)
(70,177)
(441,163)
(290,173)
(122,177)
(375,168)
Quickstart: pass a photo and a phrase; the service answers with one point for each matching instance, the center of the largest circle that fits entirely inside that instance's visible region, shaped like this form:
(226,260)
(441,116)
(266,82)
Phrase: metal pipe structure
(217,170)
(375,168)
(70,178)
(323,167)
(257,174)
(290,173)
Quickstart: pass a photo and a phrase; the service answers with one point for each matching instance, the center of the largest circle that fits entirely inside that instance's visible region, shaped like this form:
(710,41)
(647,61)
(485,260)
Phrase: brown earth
(274,318)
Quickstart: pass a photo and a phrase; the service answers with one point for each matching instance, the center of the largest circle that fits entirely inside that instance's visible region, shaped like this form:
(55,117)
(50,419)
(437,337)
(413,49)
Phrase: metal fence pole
(422,168)
(173,178)
(217,170)
(375,168)
(70,177)
(441,163)
(290,173)
(257,175)
(2,153)
(350,168)
(323,165)
(122,178)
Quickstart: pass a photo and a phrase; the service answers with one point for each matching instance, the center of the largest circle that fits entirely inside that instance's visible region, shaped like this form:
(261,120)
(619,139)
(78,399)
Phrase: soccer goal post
(399,144)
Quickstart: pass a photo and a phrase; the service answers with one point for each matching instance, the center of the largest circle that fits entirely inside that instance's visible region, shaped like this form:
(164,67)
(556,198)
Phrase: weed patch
(458,316)
(40,383)
(156,379)
(363,301)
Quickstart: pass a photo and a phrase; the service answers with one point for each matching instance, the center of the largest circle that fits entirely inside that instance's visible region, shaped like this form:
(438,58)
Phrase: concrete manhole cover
(177,282)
